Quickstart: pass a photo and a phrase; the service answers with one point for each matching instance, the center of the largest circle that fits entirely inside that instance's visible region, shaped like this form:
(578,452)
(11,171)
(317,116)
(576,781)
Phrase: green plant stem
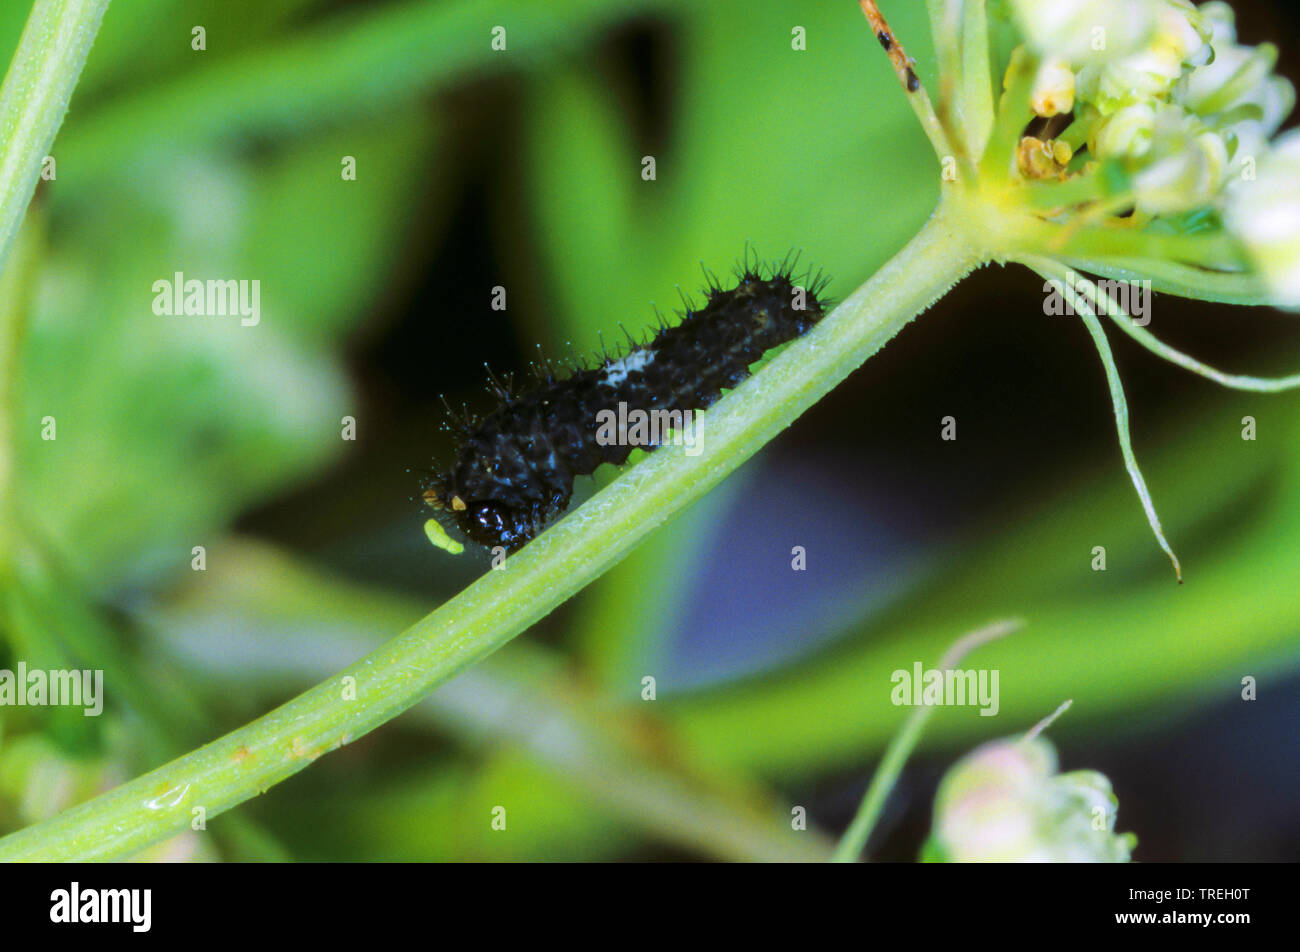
(1032,734)
(917,98)
(503,603)
(1052,270)
(15,292)
(1013,112)
(1152,343)
(34,98)
(526,700)
(1170,277)
(945,28)
(975,82)
(33,102)
(854,840)
(1117,242)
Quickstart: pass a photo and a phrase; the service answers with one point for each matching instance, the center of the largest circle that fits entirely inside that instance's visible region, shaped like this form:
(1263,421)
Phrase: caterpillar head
(486,522)
(491,524)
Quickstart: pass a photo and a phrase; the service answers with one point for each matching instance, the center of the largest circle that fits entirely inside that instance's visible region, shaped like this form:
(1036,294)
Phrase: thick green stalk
(503,603)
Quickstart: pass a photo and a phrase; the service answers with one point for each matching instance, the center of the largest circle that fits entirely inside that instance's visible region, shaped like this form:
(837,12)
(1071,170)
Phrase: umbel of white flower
(1005,802)
(1175,110)
(1131,140)
(1265,214)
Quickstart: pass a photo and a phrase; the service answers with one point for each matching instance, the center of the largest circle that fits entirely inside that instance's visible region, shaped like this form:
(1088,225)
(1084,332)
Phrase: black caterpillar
(514,468)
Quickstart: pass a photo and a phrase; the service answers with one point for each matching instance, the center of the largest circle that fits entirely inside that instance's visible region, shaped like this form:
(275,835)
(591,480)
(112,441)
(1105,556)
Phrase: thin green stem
(855,838)
(975,79)
(1173,355)
(503,603)
(1170,277)
(1058,274)
(1075,135)
(997,164)
(1121,241)
(1033,732)
(1077,190)
(945,30)
(34,98)
(15,293)
(917,97)
(526,699)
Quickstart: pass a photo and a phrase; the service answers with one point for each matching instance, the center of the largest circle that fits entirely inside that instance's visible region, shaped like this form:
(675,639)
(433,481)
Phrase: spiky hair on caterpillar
(514,468)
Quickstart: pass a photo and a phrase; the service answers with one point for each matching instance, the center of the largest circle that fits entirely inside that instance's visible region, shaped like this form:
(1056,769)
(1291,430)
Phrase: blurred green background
(522,168)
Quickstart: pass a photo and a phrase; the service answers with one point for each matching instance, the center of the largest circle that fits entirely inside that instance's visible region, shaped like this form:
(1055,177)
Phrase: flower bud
(1126,134)
(1180,40)
(1237,92)
(1186,173)
(1080,31)
(1053,92)
(1004,802)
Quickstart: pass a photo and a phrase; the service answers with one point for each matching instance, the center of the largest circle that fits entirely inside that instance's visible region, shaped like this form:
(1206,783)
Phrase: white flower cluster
(1264,212)
(1163,88)
(1004,802)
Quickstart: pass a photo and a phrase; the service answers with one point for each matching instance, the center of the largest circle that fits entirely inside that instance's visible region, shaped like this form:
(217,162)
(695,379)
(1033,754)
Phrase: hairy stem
(504,603)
